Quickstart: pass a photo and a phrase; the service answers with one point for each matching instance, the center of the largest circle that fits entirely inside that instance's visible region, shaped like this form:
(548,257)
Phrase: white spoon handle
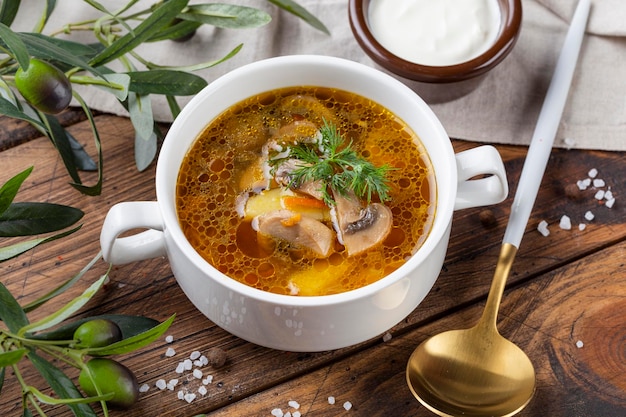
(547,126)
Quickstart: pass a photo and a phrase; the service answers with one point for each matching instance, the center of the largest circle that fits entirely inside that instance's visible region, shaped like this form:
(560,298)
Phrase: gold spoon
(477,372)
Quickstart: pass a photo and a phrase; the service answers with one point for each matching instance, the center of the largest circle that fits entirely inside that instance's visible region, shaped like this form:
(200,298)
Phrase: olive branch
(118,35)
(54,338)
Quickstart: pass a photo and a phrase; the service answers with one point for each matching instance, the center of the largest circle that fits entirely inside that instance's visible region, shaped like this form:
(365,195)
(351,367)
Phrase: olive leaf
(161,15)
(145,151)
(11,110)
(8,11)
(129,325)
(59,138)
(11,357)
(96,189)
(134,342)
(176,31)
(11,251)
(173,106)
(49,8)
(227,16)
(82,159)
(9,190)
(166,82)
(2,374)
(10,311)
(43,47)
(33,218)
(15,44)
(61,384)
(201,65)
(64,312)
(140,111)
(297,10)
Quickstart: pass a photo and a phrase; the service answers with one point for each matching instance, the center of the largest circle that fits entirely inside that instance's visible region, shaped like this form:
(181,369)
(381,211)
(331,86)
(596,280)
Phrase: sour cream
(435,32)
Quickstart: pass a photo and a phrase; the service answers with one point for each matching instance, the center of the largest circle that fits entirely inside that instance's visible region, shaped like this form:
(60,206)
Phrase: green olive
(44,86)
(97,333)
(109,376)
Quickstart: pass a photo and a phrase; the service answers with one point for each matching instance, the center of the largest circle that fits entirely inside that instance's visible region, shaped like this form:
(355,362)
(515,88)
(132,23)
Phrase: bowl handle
(124,217)
(481,178)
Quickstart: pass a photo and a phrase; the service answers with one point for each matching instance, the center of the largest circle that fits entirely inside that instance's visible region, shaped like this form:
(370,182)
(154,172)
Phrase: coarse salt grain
(599,195)
(187,364)
(589,216)
(296,414)
(144,388)
(288,414)
(161,384)
(542,227)
(347,405)
(608,195)
(207,380)
(194,355)
(202,390)
(387,337)
(294,404)
(197,374)
(180,368)
(609,203)
(169,338)
(592,173)
(582,226)
(181,394)
(189,397)
(204,360)
(565,223)
(331,400)
(170,352)
(277,412)
(198,363)
(579,344)
(598,183)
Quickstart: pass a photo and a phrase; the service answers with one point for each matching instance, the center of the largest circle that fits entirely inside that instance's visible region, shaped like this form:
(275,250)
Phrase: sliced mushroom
(282,175)
(254,178)
(297,229)
(359,227)
(300,131)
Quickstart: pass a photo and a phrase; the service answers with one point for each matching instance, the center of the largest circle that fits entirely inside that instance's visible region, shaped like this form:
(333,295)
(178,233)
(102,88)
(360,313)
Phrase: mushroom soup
(306,191)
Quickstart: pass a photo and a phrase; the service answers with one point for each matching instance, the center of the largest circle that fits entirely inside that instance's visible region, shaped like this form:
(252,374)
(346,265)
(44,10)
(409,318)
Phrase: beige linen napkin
(503,109)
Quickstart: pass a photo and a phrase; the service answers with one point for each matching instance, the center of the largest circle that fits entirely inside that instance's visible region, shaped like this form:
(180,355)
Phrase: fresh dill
(337,166)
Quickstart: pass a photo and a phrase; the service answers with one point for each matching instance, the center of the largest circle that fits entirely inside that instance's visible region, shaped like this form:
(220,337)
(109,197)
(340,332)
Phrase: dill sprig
(338,166)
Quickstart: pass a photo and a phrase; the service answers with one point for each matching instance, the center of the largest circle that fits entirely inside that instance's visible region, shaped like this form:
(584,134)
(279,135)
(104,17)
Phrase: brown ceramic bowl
(511,18)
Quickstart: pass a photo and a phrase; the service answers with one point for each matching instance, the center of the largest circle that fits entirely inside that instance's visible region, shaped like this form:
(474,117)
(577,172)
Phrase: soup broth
(222,184)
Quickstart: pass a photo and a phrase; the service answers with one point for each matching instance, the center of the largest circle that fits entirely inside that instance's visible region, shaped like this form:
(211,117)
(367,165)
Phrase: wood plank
(584,301)
(148,287)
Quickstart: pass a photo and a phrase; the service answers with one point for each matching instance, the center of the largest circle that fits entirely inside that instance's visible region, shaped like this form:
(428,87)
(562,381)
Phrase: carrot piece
(293,203)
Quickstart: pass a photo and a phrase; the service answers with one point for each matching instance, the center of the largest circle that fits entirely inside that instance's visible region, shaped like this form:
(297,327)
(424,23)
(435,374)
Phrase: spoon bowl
(443,374)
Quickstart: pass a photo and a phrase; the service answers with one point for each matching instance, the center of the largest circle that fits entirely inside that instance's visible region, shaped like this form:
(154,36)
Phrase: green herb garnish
(338,166)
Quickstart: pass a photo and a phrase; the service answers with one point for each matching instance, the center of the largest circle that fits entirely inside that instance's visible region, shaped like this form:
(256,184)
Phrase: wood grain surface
(566,288)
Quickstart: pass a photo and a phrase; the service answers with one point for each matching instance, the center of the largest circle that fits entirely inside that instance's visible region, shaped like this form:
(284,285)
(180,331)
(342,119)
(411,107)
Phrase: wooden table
(565,304)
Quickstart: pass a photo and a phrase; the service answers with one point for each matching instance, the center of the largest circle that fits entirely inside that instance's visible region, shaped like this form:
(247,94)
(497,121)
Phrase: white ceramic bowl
(290,322)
